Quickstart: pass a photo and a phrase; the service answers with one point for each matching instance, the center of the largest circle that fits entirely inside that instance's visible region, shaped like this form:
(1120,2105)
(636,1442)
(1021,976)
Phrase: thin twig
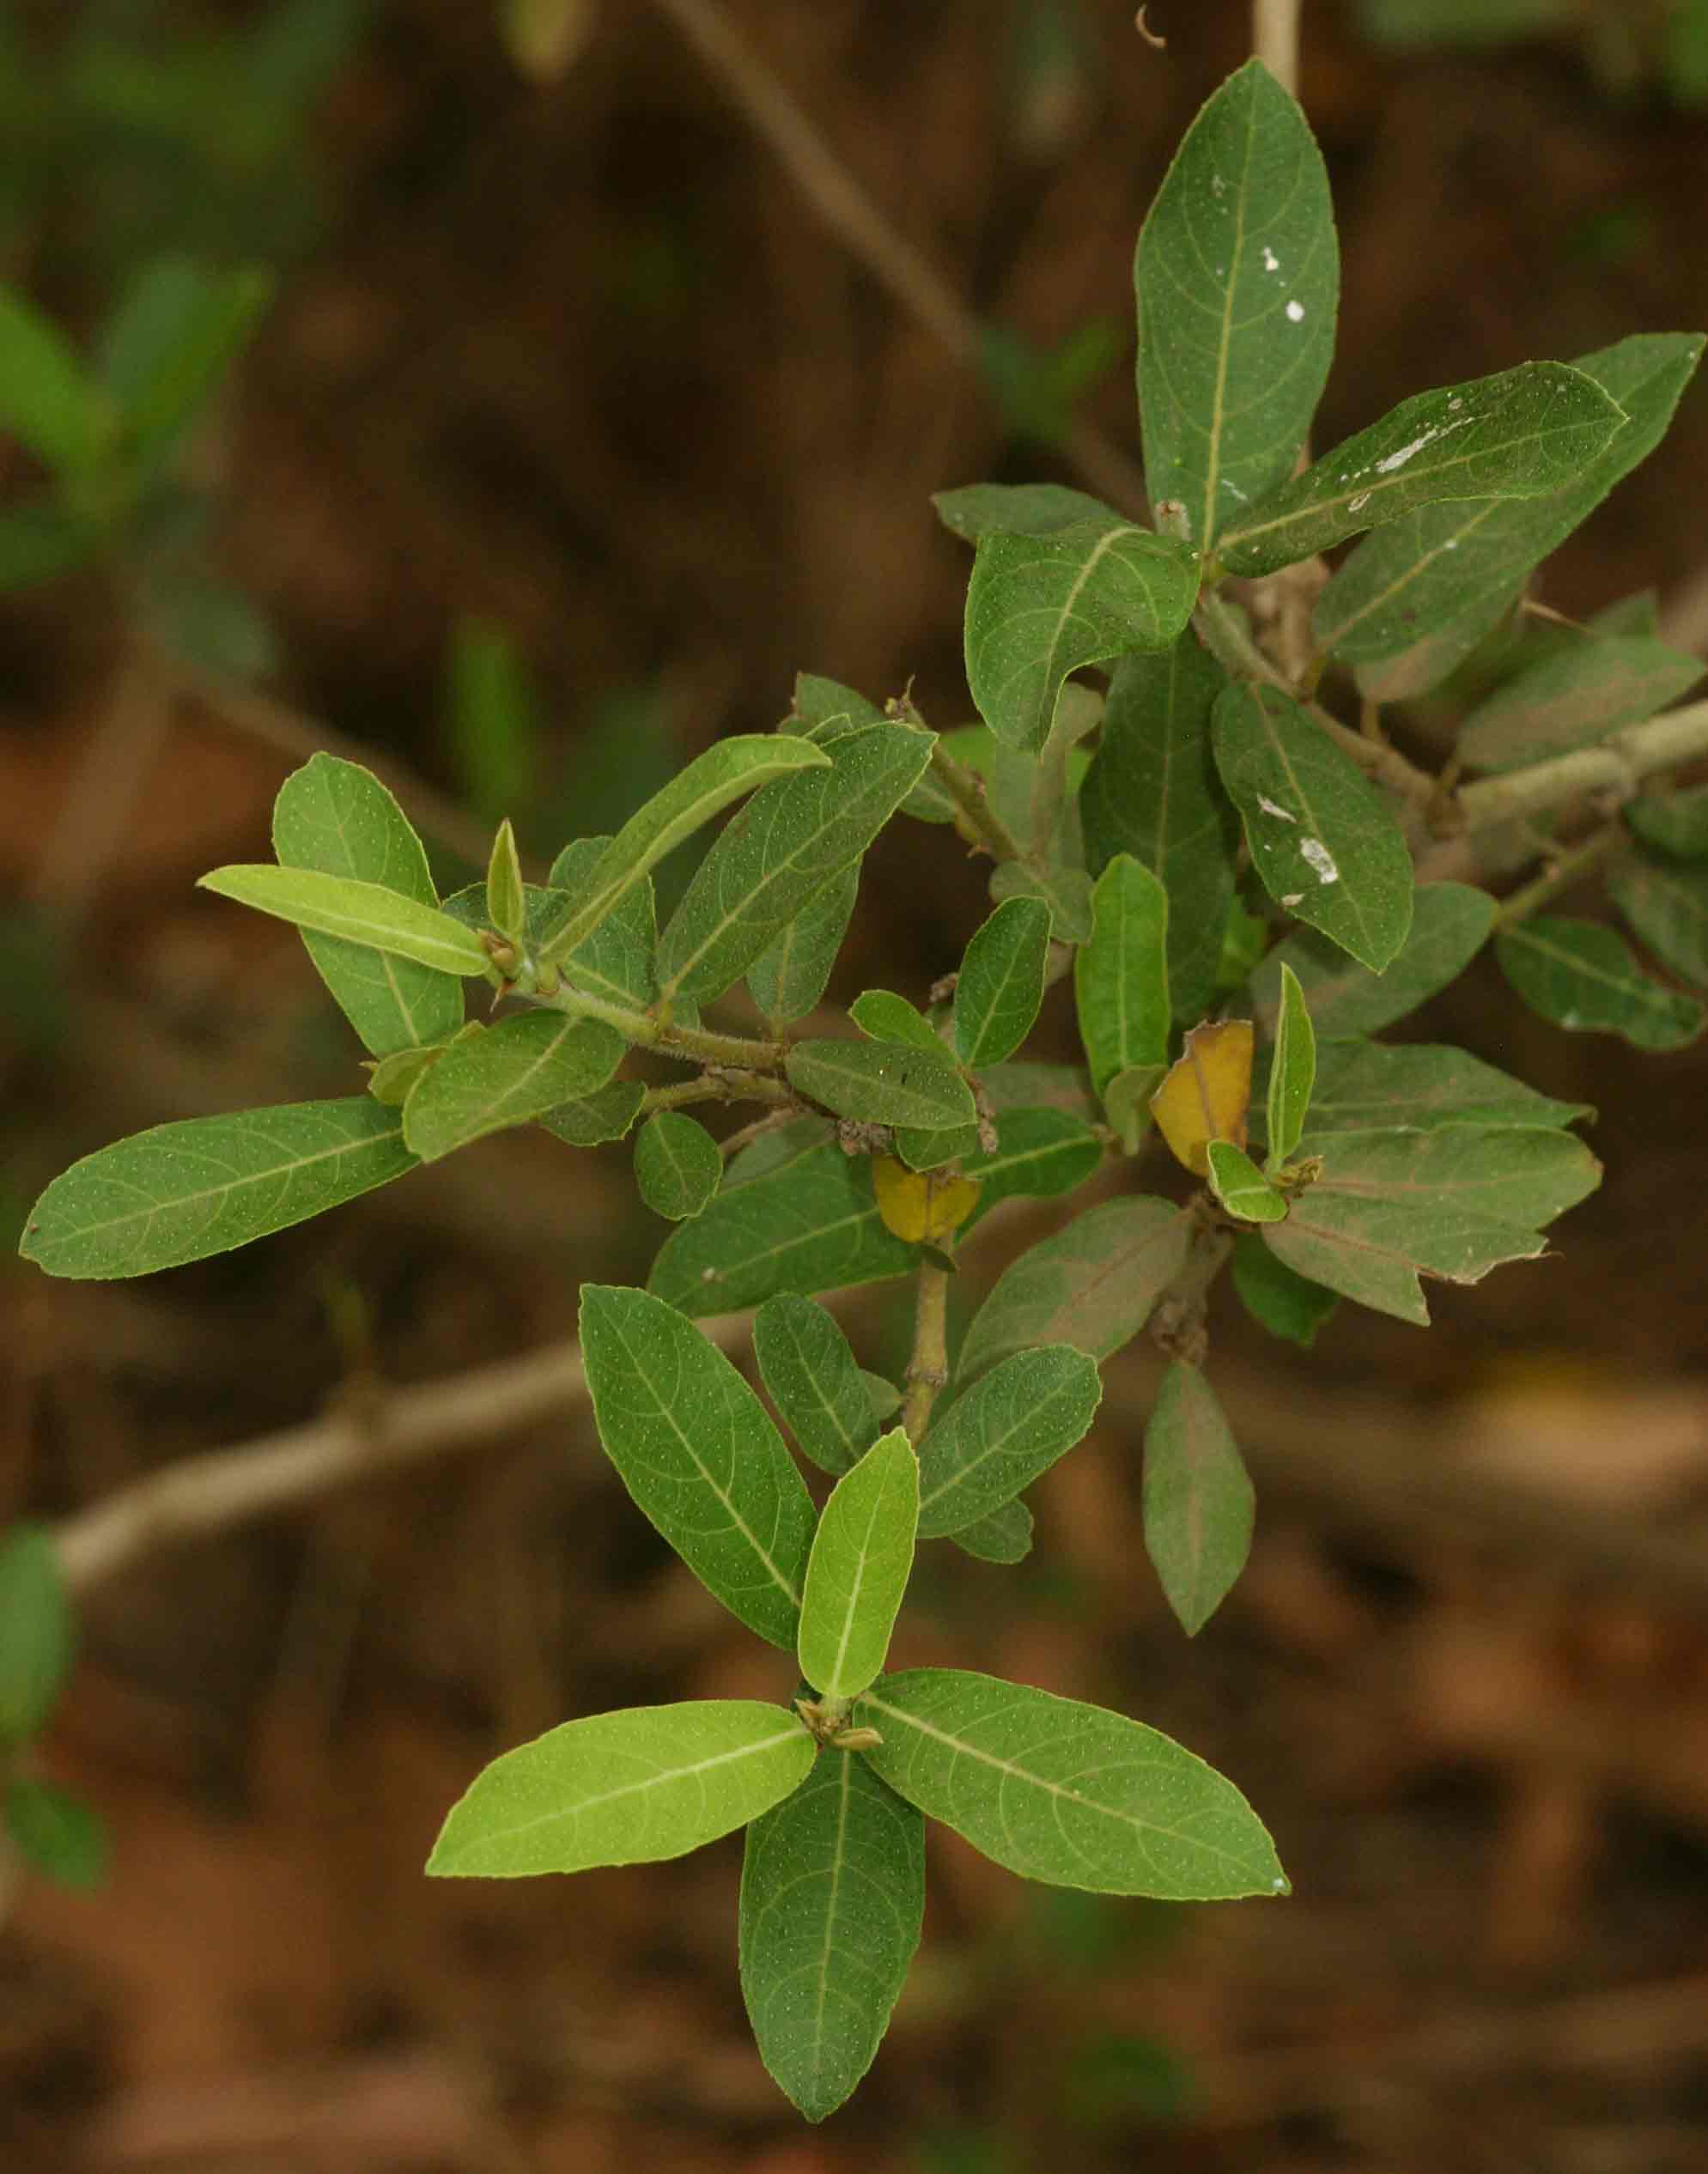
(1274,39)
(1564,870)
(1679,735)
(967,789)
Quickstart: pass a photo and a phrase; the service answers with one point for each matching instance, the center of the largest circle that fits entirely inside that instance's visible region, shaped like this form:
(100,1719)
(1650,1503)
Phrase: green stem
(641,1027)
(1680,735)
(731,1085)
(966,788)
(1567,869)
(928,1365)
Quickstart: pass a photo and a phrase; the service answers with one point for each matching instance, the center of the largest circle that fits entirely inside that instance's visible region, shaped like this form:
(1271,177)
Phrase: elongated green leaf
(1450,923)
(616,962)
(862,1557)
(1040,607)
(692,798)
(1276,1298)
(1237,277)
(1066,891)
(677,1165)
(977,510)
(1573,699)
(1001,983)
(1519,433)
(1421,592)
(176,332)
(1153,792)
(832,1898)
(337,818)
(814,1381)
(46,398)
(698,1454)
(889,1017)
(1127,1099)
(1321,837)
(1668,907)
(824,709)
(55,1832)
(784,846)
(1293,1072)
(1092,1285)
(1006,1536)
(182,1192)
(788,979)
(1066,1793)
(882,1083)
(1370,1087)
(360,912)
(1674,823)
(1039,1154)
(37,1631)
(1583,977)
(624,1789)
(1240,1186)
(523,1068)
(591,1120)
(1198,1499)
(997,1436)
(506,905)
(1120,977)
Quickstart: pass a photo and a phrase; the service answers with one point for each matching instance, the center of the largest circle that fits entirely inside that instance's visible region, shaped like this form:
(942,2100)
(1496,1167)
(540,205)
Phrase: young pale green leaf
(997,1436)
(677,1165)
(882,1083)
(781,850)
(1674,823)
(978,510)
(360,912)
(1198,1498)
(1039,607)
(1066,1793)
(1240,1186)
(889,1017)
(832,1898)
(624,1789)
(1093,1283)
(55,1833)
(1321,837)
(1277,1298)
(1583,977)
(1001,983)
(692,798)
(1293,1073)
(592,1119)
(1419,594)
(506,899)
(862,1557)
(788,979)
(1668,907)
(522,1069)
(814,1381)
(1005,1536)
(824,709)
(1237,276)
(1519,433)
(1153,792)
(1120,977)
(1450,923)
(1039,1154)
(335,818)
(698,1454)
(181,1191)
(37,1630)
(1066,891)
(46,397)
(1574,699)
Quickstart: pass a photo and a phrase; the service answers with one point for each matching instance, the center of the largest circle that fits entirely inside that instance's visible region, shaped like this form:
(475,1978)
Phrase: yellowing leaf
(924,1205)
(1205,1095)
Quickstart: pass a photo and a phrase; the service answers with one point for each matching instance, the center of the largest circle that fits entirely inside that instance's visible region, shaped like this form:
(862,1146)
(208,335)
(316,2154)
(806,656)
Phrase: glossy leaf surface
(358,912)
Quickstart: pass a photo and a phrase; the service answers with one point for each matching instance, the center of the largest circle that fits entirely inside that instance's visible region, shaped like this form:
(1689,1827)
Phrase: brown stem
(928,1365)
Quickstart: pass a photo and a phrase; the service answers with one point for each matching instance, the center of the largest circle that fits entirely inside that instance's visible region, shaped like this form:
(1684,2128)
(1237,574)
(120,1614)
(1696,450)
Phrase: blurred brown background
(563,354)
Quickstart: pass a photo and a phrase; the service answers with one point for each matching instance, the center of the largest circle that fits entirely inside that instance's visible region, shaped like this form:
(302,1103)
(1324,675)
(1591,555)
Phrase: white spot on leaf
(1269,808)
(1271,261)
(1355,505)
(1292,898)
(1399,459)
(1320,860)
(1296,311)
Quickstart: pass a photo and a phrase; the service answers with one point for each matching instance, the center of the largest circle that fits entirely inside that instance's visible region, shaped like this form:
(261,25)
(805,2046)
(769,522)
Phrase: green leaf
(1293,1073)
(46,398)
(1023,1084)
(997,1436)
(591,1120)
(692,798)
(1120,977)
(1039,1154)
(677,1165)
(1277,1298)
(1583,977)
(1519,433)
(698,1454)
(1668,907)
(1450,923)
(1066,1793)
(494,721)
(176,332)
(1092,1285)
(824,709)
(781,850)
(39,540)
(1673,822)
(882,1083)
(1241,1187)
(1127,1100)
(1001,983)
(181,1191)
(522,1069)
(1370,1087)
(360,913)
(1573,699)
(1416,597)
(1006,1536)
(1237,276)
(1198,1499)
(889,1017)
(336,818)
(624,1789)
(788,979)
(1321,837)
(978,510)
(616,962)
(862,1557)
(37,1630)
(505,902)
(1153,792)
(1039,607)
(1066,891)
(832,1898)
(812,1379)
(55,1833)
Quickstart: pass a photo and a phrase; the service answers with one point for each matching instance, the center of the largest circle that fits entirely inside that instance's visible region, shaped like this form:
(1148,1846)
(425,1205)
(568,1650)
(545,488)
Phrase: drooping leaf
(697,1451)
(977,510)
(1668,907)
(523,1068)
(1419,1087)
(677,1165)
(922,1206)
(47,399)
(1120,983)
(862,1557)
(1005,1536)
(37,1630)
(1292,1074)
(997,1436)
(1450,923)
(624,1789)
(788,979)
(1279,1299)
(1001,983)
(1674,823)
(889,1017)
(591,1120)
(1040,1154)
(1573,699)
(814,1381)
(1321,837)
(1207,1093)
(832,1898)
(55,1832)
(1583,977)
(359,912)
(1237,276)
(1241,1187)
(1198,1499)
(1066,1793)
(181,1191)
(882,1083)
(1092,1285)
